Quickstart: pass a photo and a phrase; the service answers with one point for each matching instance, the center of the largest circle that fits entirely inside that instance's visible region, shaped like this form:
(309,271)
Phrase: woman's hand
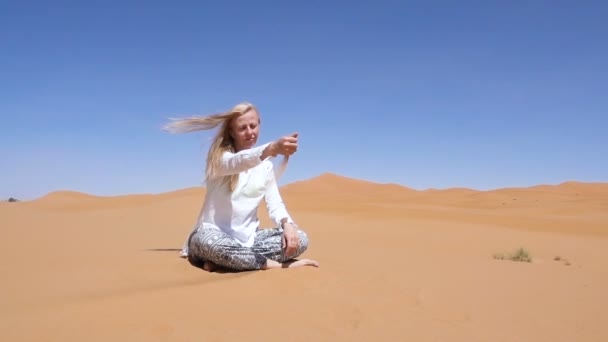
(291,239)
(286,145)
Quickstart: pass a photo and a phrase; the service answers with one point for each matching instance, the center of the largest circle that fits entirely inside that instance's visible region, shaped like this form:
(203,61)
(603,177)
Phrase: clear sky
(427,94)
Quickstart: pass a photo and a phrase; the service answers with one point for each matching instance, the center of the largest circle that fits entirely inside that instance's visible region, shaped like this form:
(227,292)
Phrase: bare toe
(310,262)
(209,266)
(304,262)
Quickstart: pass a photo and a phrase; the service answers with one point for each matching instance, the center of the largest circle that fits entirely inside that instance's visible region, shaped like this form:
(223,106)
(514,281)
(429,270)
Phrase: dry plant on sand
(519,255)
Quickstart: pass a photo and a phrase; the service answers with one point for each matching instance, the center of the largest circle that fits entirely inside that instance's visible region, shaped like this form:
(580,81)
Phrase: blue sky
(427,94)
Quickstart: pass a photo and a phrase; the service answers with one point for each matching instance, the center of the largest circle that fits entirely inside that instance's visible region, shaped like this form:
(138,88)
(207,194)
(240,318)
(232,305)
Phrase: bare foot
(298,263)
(289,264)
(209,266)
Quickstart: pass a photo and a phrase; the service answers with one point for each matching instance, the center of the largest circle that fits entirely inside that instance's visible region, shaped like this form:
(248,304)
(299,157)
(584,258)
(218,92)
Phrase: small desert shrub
(519,255)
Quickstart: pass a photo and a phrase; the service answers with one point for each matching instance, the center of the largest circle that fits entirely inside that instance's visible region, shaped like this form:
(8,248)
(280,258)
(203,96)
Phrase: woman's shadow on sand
(198,263)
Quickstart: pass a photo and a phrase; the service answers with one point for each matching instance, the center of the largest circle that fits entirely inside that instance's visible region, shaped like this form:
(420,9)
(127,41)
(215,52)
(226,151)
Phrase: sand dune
(396,264)
(72,200)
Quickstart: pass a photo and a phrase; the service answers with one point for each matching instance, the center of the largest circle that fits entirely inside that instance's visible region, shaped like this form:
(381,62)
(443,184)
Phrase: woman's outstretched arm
(231,163)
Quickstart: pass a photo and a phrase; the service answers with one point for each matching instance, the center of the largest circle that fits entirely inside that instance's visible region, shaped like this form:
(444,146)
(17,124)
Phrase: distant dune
(339,185)
(396,264)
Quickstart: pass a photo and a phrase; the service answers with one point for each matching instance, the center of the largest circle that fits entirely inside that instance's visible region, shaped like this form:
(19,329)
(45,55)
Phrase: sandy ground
(396,264)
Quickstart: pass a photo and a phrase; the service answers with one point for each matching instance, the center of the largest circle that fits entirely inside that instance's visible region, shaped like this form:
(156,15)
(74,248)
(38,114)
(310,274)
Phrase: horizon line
(319,177)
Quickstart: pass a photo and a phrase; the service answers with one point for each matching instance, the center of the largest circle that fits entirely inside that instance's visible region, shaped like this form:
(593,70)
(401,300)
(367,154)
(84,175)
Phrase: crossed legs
(217,249)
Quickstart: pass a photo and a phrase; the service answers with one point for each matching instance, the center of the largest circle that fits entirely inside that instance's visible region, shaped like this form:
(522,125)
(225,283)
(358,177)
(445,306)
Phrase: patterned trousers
(223,250)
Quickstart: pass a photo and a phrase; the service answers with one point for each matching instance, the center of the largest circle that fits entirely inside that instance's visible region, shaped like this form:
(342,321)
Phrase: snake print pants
(221,249)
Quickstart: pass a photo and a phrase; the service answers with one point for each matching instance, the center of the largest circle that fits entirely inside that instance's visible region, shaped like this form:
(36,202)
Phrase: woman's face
(245,129)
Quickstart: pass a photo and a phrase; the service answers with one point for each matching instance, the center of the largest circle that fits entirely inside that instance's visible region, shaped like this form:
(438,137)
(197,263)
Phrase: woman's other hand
(291,239)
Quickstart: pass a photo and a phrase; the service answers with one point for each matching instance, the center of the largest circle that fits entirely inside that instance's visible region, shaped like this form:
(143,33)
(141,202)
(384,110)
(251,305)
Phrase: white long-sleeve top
(236,213)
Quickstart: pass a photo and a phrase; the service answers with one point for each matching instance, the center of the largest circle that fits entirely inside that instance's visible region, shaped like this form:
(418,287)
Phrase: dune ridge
(568,207)
(333,182)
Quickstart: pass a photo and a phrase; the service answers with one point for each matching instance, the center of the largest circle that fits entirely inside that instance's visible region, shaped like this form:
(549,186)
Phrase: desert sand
(396,264)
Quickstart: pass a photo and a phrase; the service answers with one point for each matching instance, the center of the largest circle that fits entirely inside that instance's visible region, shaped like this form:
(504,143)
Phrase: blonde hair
(222,141)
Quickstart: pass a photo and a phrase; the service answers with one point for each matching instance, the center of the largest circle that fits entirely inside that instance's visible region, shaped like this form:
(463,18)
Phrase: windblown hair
(222,141)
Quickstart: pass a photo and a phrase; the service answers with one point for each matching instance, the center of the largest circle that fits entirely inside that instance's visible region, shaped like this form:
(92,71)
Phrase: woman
(238,176)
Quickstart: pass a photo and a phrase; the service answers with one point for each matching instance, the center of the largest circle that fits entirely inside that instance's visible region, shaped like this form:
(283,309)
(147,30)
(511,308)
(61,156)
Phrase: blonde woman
(238,176)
